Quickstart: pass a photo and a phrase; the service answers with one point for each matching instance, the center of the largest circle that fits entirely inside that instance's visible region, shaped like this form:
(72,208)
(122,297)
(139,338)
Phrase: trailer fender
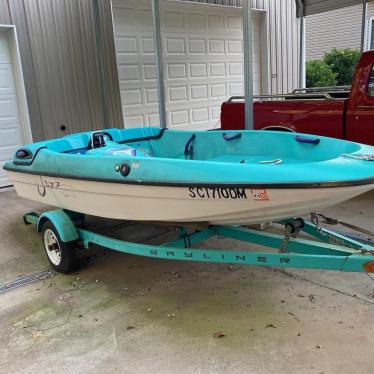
(64,225)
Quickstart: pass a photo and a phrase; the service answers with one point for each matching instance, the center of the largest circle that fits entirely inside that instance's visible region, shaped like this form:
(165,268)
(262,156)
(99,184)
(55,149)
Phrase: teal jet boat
(217,177)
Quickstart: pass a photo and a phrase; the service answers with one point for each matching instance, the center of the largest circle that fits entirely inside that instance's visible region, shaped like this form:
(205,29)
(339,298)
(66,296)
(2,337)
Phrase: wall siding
(60,65)
(283,46)
(4,13)
(339,28)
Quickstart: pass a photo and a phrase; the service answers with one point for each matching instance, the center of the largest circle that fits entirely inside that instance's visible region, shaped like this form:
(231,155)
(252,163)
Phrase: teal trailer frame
(326,250)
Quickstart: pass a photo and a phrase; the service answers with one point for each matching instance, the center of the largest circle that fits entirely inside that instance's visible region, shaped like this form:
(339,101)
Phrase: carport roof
(319,6)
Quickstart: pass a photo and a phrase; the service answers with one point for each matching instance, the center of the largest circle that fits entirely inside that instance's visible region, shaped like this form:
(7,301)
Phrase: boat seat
(114,149)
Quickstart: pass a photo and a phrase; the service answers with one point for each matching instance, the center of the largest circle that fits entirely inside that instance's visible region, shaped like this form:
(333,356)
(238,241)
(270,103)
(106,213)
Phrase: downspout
(101,64)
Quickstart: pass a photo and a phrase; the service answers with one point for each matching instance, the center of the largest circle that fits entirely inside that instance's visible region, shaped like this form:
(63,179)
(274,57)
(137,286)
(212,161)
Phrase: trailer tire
(61,255)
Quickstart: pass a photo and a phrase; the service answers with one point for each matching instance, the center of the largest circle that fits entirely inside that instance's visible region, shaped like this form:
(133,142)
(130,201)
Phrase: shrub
(318,74)
(342,63)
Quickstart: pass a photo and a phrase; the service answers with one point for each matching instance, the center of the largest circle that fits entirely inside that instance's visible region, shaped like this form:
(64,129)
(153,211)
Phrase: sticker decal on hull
(217,193)
(43,184)
(259,195)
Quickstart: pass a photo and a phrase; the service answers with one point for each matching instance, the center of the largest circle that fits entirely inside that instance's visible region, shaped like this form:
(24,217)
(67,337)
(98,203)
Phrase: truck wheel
(61,255)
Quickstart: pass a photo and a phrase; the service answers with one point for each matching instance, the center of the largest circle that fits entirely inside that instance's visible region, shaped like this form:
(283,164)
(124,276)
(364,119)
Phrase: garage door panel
(235,88)
(235,47)
(153,119)
(132,97)
(216,46)
(202,55)
(217,69)
(179,117)
(174,46)
(8,110)
(174,19)
(196,21)
(215,23)
(127,45)
(199,91)
(7,84)
(11,135)
(198,113)
(129,72)
(5,55)
(218,90)
(176,71)
(148,45)
(215,112)
(150,95)
(177,93)
(147,117)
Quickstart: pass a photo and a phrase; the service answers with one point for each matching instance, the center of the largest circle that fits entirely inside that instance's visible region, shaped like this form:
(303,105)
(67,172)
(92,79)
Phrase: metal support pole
(248,65)
(302,46)
(159,66)
(363,24)
(101,66)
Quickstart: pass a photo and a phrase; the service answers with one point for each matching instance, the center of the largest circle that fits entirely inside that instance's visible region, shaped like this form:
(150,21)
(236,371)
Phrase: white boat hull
(142,202)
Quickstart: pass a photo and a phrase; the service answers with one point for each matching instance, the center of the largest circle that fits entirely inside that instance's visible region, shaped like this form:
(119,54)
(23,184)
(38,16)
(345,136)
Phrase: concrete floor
(126,314)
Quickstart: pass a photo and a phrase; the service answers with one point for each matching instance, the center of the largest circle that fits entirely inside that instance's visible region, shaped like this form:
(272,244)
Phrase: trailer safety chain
(314,217)
(315,220)
(334,221)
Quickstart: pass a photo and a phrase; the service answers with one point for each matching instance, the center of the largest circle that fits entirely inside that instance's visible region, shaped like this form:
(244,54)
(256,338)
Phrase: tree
(318,74)
(342,63)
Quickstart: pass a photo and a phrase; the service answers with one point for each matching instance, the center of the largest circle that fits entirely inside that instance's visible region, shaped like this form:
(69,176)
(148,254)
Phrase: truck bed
(320,117)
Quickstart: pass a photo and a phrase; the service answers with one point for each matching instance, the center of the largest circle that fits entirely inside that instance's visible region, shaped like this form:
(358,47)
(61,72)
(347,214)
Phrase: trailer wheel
(61,255)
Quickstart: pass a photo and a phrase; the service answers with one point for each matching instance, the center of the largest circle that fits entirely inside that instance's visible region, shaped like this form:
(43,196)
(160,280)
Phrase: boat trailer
(325,249)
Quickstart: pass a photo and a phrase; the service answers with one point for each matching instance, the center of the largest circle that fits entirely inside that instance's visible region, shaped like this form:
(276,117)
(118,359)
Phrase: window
(371,82)
(370,34)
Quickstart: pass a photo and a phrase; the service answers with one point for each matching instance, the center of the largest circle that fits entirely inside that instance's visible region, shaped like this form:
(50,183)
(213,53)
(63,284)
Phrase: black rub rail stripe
(290,185)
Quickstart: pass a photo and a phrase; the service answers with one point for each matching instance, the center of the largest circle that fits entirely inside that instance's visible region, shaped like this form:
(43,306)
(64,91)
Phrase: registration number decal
(259,195)
(217,193)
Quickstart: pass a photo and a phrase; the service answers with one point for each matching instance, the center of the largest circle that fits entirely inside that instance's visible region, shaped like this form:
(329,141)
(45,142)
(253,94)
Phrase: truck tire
(61,255)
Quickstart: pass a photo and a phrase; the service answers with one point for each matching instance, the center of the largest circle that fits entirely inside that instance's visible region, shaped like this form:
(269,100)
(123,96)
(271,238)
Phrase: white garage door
(202,56)
(10,131)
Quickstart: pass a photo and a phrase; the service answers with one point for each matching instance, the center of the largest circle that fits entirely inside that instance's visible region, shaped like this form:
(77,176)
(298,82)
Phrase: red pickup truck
(335,112)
